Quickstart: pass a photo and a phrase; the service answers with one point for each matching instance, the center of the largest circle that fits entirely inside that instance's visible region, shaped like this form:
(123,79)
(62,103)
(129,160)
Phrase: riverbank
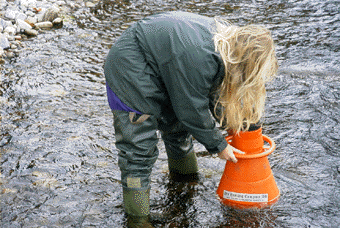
(23,19)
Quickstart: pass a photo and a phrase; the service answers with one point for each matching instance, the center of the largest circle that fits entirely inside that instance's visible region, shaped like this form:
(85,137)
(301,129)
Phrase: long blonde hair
(248,54)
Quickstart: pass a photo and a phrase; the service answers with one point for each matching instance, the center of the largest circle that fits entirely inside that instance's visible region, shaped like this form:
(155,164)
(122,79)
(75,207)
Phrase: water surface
(58,158)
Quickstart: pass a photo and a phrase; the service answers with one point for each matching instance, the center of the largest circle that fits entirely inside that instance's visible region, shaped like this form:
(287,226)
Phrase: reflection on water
(58,159)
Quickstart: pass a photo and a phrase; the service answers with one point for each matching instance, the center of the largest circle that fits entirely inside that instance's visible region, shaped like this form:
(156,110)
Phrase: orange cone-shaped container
(249,183)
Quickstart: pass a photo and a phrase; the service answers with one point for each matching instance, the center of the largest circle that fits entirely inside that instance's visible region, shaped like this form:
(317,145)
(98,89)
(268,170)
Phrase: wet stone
(4,23)
(4,43)
(10,38)
(50,14)
(11,30)
(28,3)
(21,16)
(23,25)
(44,25)
(90,4)
(31,20)
(10,54)
(10,14)
(13,46)
(58,22)
(31,32)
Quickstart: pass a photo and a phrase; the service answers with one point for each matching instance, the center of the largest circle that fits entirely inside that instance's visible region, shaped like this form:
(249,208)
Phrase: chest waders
(136,140)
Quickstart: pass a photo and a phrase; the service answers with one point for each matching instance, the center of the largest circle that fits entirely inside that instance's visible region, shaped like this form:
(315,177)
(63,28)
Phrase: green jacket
(169,60)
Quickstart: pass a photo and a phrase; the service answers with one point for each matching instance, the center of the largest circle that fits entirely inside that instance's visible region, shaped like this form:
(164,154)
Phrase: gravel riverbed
(23,19)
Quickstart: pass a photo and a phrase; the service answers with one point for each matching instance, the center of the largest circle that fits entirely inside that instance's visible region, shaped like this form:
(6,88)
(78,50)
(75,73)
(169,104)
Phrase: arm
(188,82)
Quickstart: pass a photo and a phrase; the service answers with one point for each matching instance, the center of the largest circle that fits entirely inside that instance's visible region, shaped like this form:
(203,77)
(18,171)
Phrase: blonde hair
(249,58)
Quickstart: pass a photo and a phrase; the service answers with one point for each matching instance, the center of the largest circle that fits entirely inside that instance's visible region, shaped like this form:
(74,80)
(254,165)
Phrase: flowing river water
(57,154)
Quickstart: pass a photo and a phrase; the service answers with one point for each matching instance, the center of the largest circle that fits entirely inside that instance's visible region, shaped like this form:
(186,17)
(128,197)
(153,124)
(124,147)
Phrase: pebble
(10,55)
(13,46)
(10,30)
(57,22)
(23,24)
(44,25)
(31,20)
(31,32)
(89,4)
(10,14)
(4,43)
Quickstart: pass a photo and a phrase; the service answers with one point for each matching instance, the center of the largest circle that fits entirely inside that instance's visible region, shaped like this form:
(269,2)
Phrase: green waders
(137,144)
(179,148)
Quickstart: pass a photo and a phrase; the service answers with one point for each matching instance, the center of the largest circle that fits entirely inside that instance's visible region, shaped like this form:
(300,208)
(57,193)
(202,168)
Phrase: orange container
(249,183)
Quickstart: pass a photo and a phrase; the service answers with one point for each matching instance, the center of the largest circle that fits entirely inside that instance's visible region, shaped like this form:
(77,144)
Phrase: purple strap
(116,104)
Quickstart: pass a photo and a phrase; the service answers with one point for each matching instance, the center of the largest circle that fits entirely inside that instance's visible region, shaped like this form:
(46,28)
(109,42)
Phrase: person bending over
(179,73)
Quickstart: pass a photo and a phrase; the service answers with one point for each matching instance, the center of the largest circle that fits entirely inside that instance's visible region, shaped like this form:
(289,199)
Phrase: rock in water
(50,14)
(58,22)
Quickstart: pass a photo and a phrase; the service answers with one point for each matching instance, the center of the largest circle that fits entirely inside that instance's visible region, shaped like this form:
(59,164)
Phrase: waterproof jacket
(168,62)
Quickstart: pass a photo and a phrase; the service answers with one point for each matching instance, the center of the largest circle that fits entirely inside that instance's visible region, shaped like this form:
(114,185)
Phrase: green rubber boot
(185,169)
(187,165)
(137,208)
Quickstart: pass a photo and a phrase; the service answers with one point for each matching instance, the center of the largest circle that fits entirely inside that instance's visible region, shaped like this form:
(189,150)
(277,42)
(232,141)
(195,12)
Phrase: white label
(259,198)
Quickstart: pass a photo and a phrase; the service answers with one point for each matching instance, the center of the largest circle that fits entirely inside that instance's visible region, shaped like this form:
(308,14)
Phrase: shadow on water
(58,159)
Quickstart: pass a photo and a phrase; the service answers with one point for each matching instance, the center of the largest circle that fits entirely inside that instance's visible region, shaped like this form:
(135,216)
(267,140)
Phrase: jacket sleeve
(188,80)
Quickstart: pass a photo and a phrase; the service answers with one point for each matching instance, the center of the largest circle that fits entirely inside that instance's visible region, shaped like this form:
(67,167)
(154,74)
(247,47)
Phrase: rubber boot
(137,208)
(184,169)
(185,165)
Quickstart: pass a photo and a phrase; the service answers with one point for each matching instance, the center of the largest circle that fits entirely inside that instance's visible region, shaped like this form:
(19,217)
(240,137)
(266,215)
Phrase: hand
(228,153)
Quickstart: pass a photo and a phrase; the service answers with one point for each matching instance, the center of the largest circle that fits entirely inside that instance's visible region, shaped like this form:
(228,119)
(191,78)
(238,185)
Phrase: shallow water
(58,159)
